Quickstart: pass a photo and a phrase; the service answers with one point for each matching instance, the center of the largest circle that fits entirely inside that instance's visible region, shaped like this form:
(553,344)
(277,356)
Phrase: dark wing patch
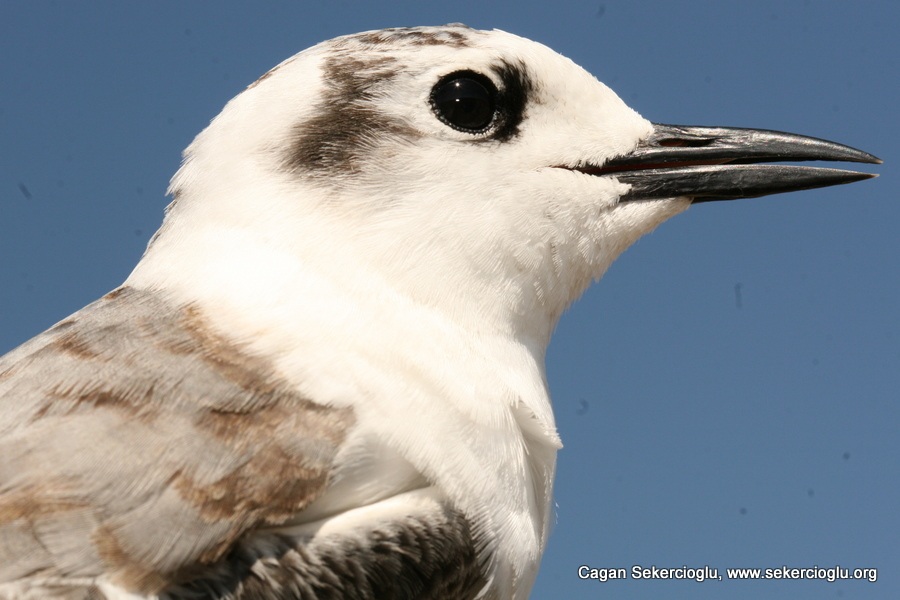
(140,443)
(428,556)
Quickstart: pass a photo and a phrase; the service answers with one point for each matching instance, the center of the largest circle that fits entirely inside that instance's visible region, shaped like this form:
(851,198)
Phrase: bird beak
(717,163)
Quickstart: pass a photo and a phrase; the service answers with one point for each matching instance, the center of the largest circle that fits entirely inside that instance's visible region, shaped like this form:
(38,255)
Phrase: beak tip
(864,157)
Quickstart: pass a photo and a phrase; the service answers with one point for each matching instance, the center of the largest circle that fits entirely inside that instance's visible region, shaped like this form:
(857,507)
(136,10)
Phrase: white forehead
(424,49)
(404,57)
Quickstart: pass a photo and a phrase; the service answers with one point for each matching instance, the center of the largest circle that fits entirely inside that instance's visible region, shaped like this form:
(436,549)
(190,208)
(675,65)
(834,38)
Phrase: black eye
(466,101)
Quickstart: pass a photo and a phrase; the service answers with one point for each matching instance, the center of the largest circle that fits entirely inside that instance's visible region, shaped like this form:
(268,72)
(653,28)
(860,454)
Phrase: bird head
(474,172)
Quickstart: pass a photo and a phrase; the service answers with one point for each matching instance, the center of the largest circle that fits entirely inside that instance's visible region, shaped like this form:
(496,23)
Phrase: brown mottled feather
(139,443)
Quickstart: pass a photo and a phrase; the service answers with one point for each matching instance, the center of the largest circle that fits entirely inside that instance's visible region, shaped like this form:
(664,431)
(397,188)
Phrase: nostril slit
(685,142)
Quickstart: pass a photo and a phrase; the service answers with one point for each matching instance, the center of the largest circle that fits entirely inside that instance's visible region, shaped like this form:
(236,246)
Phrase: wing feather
(139,443)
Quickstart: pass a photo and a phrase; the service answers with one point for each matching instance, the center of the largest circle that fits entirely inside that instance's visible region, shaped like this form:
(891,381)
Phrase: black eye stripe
(466,101)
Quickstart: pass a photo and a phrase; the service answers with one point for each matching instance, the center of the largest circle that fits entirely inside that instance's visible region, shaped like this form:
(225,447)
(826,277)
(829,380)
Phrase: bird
(325,376)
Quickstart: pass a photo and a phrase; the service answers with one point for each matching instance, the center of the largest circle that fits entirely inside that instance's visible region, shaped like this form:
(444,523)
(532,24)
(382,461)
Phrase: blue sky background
(728,394)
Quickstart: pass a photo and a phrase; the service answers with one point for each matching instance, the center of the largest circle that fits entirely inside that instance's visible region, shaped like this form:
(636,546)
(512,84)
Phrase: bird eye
(466,101)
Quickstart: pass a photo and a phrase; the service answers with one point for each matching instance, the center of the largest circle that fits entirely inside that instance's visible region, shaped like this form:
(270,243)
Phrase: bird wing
(138,443)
